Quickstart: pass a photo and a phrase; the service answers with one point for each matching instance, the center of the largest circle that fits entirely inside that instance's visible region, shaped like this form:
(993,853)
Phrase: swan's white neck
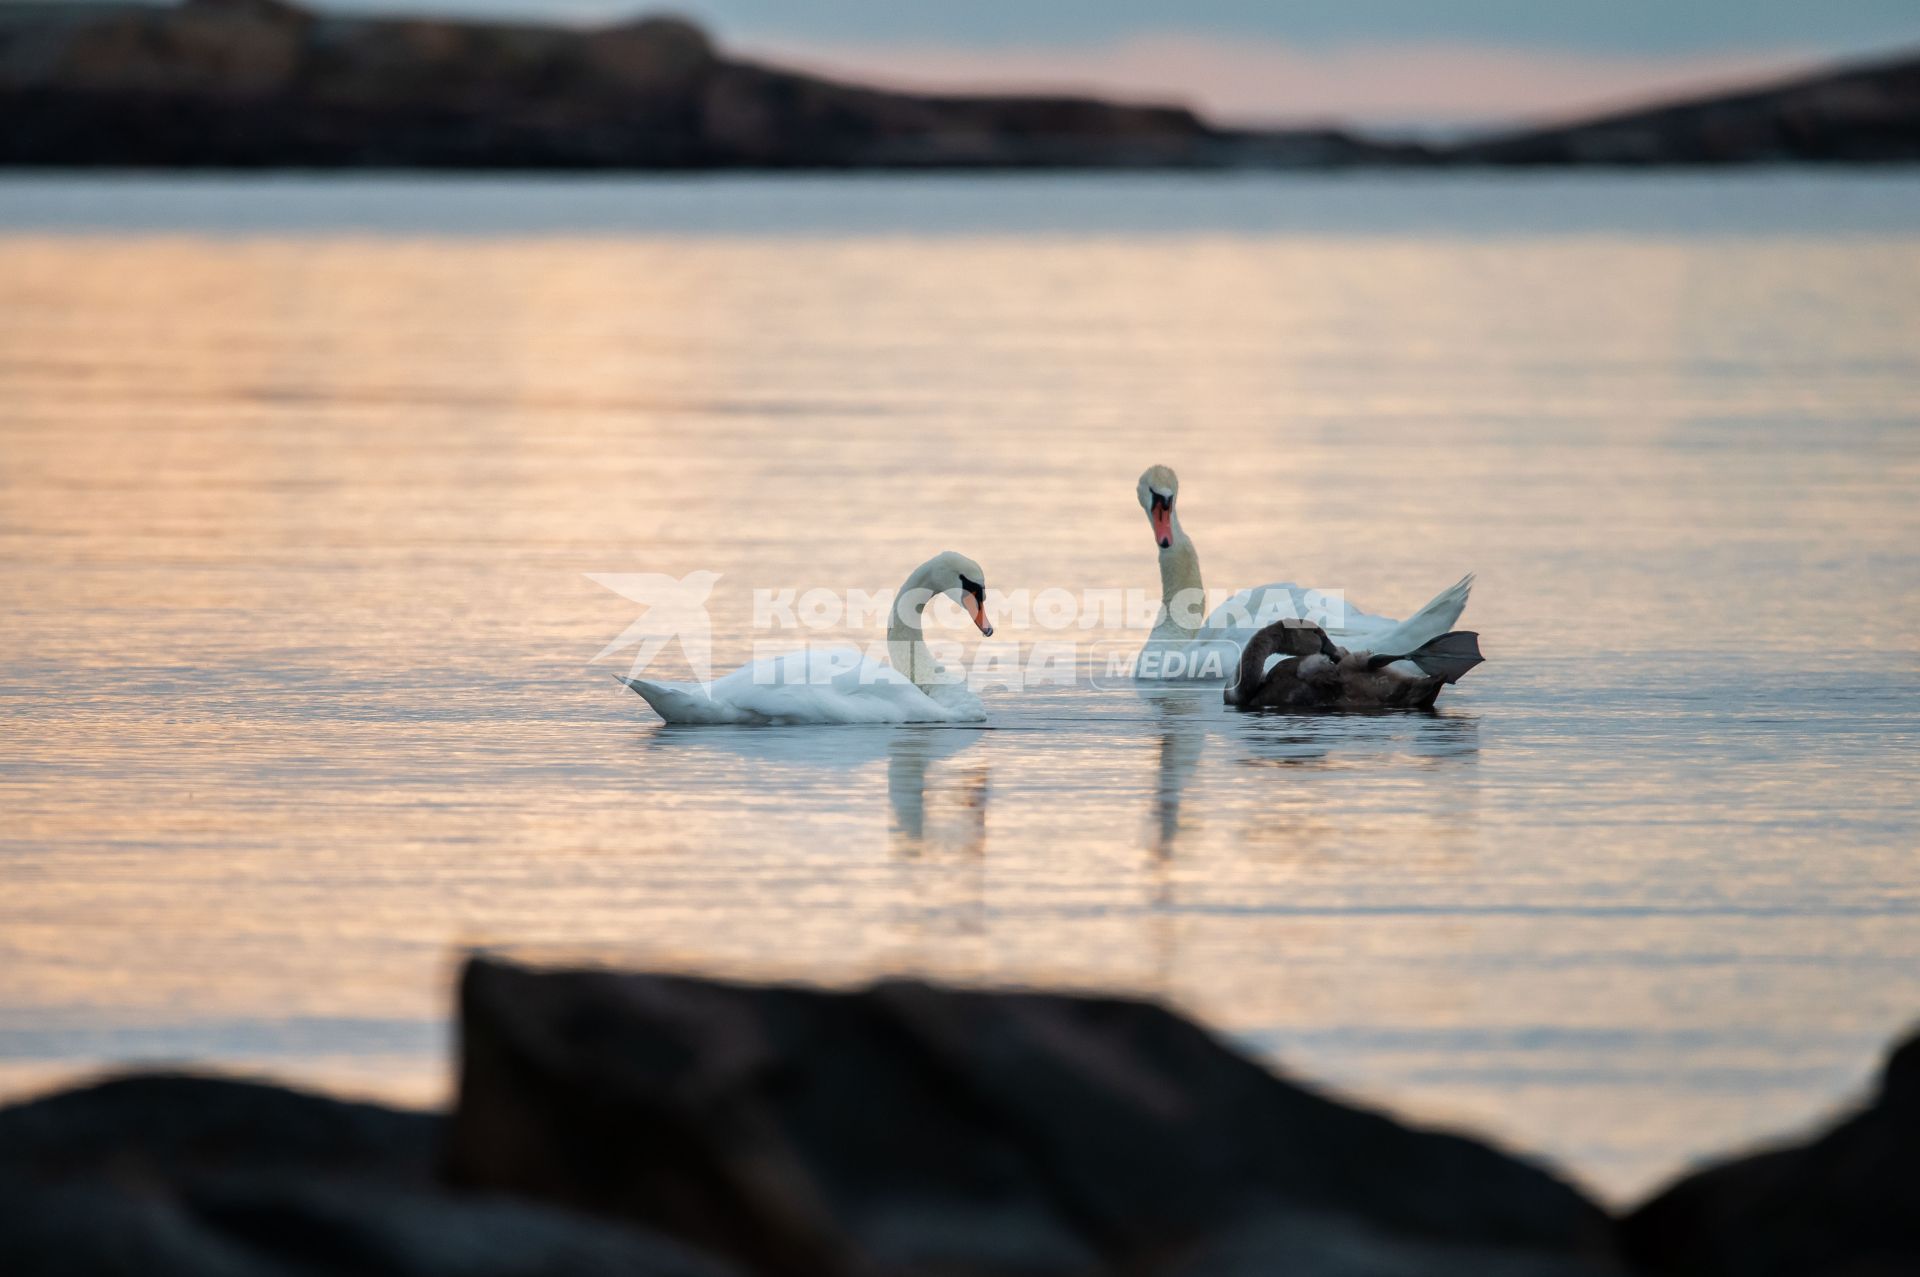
(906,645)
(1183,605)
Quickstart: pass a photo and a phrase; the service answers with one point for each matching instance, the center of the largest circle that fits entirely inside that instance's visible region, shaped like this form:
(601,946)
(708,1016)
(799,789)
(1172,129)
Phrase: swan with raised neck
(1183,624)
(1183,596)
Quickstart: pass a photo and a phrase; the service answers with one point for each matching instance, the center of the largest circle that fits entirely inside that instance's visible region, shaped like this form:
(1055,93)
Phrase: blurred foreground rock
(167,1176)
(1847,1204)
(664,1126)
(908,1128)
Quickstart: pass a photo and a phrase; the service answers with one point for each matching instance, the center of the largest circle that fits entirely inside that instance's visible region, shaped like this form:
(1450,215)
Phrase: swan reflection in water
(930,805)
(1183,722)
(1295,739)
(937,832)
(936,820)
(952,814)
(1185,717)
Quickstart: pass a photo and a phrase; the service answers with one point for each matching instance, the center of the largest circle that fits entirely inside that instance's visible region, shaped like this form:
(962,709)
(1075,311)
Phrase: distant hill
(1867,114)
(239,83)
(263,83)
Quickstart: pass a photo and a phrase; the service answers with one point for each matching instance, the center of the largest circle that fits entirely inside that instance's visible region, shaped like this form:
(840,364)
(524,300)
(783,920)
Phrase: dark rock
(908,1128)
(304,1228)
(1310,1244)
(199,1177)
(158,1128)
(1846,1204)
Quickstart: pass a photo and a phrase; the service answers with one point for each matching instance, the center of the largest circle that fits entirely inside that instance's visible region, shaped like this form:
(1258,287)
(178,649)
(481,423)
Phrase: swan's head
(960,579)
(1158,487)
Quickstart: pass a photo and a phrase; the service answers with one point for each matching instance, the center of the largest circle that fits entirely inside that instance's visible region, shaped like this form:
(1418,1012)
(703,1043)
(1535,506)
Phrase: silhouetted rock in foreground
(165,1176)
(660,1126)
(914,1129)
(1845,1205)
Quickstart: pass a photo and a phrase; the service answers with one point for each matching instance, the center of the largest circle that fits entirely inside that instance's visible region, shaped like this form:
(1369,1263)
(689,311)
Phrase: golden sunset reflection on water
(296,699)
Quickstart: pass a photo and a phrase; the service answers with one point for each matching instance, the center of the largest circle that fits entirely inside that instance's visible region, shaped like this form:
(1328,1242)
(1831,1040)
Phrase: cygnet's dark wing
(1445,658)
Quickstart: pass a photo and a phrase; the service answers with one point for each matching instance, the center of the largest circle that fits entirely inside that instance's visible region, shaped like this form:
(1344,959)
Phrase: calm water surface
(300,481)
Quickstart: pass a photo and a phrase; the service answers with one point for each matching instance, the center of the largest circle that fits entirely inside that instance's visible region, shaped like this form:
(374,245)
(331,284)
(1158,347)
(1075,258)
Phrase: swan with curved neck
(841,684)
(1183,624)
(948,573)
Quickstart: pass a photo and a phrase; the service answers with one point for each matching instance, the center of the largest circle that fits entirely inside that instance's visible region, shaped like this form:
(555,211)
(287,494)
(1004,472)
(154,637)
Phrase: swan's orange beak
(1161,515)
(977,609)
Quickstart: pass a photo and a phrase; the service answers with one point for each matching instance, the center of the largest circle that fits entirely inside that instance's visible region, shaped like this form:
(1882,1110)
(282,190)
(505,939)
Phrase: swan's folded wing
(1247,612)
(958,702)
(879,693)
(827,685)
(1424,626)
(837,684)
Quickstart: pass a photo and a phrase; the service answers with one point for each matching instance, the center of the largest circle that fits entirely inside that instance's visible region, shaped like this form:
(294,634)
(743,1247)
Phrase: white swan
(841,684)
(1182,646)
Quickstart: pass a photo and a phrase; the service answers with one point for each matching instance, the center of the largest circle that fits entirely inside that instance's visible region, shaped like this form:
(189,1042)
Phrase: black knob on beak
(1160,511)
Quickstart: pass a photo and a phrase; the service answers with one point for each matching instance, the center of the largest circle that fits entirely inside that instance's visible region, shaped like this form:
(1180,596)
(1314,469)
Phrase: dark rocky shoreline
(662,1125)
(247,84)
(262,83)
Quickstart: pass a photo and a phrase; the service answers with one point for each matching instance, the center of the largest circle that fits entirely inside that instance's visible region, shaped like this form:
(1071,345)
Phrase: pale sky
(1371,61)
